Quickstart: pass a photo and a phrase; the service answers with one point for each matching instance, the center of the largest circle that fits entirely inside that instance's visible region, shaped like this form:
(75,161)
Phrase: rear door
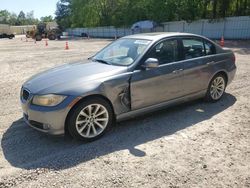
(197,61)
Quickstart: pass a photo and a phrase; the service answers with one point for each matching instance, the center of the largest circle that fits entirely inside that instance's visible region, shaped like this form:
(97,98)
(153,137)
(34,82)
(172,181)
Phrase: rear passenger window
(193,48)
(210,48)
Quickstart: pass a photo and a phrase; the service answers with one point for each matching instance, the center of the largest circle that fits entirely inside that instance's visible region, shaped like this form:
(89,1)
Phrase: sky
(41,8)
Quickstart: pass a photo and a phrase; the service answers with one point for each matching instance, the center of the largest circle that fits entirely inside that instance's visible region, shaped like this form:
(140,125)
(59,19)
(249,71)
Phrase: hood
(64,78)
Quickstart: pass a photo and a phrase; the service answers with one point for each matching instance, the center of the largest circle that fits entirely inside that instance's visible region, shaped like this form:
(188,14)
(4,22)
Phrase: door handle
(210,63)
(177,71)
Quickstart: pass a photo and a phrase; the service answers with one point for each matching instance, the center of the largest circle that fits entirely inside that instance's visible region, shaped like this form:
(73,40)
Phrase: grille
(36,124)
(25,94)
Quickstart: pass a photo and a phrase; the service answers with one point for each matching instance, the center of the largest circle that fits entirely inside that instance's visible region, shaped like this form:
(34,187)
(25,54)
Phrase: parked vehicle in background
(44,30)
(144,26)
(131,76)
(84,35)
(5,31)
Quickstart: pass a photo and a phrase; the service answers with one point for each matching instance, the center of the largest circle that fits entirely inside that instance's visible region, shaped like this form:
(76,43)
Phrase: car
(132,76)
(9,36)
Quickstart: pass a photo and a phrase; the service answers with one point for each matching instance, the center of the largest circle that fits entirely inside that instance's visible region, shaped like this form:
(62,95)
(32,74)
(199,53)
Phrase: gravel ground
(196,144)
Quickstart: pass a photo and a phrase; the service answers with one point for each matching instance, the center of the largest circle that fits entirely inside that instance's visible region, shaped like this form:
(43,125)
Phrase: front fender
(116,89)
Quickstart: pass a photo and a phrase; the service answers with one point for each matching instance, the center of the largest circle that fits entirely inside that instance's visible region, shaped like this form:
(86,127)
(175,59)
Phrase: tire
(52,37)
(90,128)
(38,37)
(216,88)
(11,36)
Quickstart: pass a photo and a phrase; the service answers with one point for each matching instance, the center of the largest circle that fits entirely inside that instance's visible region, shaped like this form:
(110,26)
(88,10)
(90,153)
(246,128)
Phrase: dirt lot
(192,145)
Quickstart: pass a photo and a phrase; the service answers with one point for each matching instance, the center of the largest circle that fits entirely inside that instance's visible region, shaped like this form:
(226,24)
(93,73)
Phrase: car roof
(159,35)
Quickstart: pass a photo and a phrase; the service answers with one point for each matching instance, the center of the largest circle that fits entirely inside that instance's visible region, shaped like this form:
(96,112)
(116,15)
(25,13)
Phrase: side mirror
(150,63)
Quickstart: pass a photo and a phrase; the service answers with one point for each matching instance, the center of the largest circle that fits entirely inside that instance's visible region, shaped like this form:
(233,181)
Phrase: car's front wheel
(90,119)
(38,37)
(216,88)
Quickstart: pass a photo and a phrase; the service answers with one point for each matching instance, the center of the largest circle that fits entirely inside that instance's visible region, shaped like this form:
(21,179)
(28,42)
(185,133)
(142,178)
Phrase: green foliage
(22,19)
(6,17)
(119,13)
(92,13)
(47,19)
(63,13)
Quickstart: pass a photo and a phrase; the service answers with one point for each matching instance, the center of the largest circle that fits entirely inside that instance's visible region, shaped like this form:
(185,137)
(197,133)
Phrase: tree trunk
(214,9)
(204,14)
(224,8)
(245,8)
(237,8)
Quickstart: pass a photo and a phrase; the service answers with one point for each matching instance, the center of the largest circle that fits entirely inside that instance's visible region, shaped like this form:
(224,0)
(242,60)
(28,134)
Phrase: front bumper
(46,119)
(50,123)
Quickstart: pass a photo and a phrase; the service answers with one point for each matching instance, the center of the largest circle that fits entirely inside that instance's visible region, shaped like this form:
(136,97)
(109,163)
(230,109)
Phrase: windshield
(122,52)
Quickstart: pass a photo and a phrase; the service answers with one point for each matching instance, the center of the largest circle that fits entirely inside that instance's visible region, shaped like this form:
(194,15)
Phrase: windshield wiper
(101,61)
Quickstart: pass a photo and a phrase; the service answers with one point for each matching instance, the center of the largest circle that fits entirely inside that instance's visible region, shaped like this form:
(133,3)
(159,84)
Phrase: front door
(163,83)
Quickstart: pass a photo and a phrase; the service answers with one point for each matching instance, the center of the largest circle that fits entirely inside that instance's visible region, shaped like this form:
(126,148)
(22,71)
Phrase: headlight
(48,100)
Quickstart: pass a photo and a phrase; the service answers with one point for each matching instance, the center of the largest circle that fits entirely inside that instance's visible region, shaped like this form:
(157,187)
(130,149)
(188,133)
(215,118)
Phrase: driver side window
(166,51)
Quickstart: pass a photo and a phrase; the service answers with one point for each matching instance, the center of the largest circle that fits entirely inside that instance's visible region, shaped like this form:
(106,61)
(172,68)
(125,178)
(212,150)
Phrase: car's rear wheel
(52,37)
(90,119)
(216,88)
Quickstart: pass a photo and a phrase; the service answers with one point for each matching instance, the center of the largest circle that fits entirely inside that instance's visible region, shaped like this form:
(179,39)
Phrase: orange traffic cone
(66,46)
(222,42)
(46,42)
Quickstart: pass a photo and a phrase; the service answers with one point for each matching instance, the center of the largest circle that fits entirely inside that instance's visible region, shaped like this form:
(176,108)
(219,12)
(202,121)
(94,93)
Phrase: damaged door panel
(125,97)
(118,92)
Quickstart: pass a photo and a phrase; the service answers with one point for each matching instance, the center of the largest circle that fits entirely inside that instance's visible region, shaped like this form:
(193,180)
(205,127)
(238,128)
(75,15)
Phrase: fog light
(46,126)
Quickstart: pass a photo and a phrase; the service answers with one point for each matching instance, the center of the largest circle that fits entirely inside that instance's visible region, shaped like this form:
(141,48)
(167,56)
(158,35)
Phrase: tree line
(7,17)
(119,13)
(92,13)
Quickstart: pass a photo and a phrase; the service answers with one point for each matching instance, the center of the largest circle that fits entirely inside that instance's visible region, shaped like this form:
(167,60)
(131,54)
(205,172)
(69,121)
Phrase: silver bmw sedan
(133,75)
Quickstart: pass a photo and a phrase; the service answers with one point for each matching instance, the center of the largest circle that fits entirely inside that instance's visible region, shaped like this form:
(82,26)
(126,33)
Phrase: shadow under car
(26,148)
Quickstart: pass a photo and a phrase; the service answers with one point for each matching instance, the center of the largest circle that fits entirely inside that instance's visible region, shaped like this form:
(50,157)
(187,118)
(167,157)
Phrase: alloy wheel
(217,88)
(92,120)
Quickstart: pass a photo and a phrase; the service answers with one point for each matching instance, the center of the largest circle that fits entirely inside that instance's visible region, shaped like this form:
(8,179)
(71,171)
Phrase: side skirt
(163,105)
